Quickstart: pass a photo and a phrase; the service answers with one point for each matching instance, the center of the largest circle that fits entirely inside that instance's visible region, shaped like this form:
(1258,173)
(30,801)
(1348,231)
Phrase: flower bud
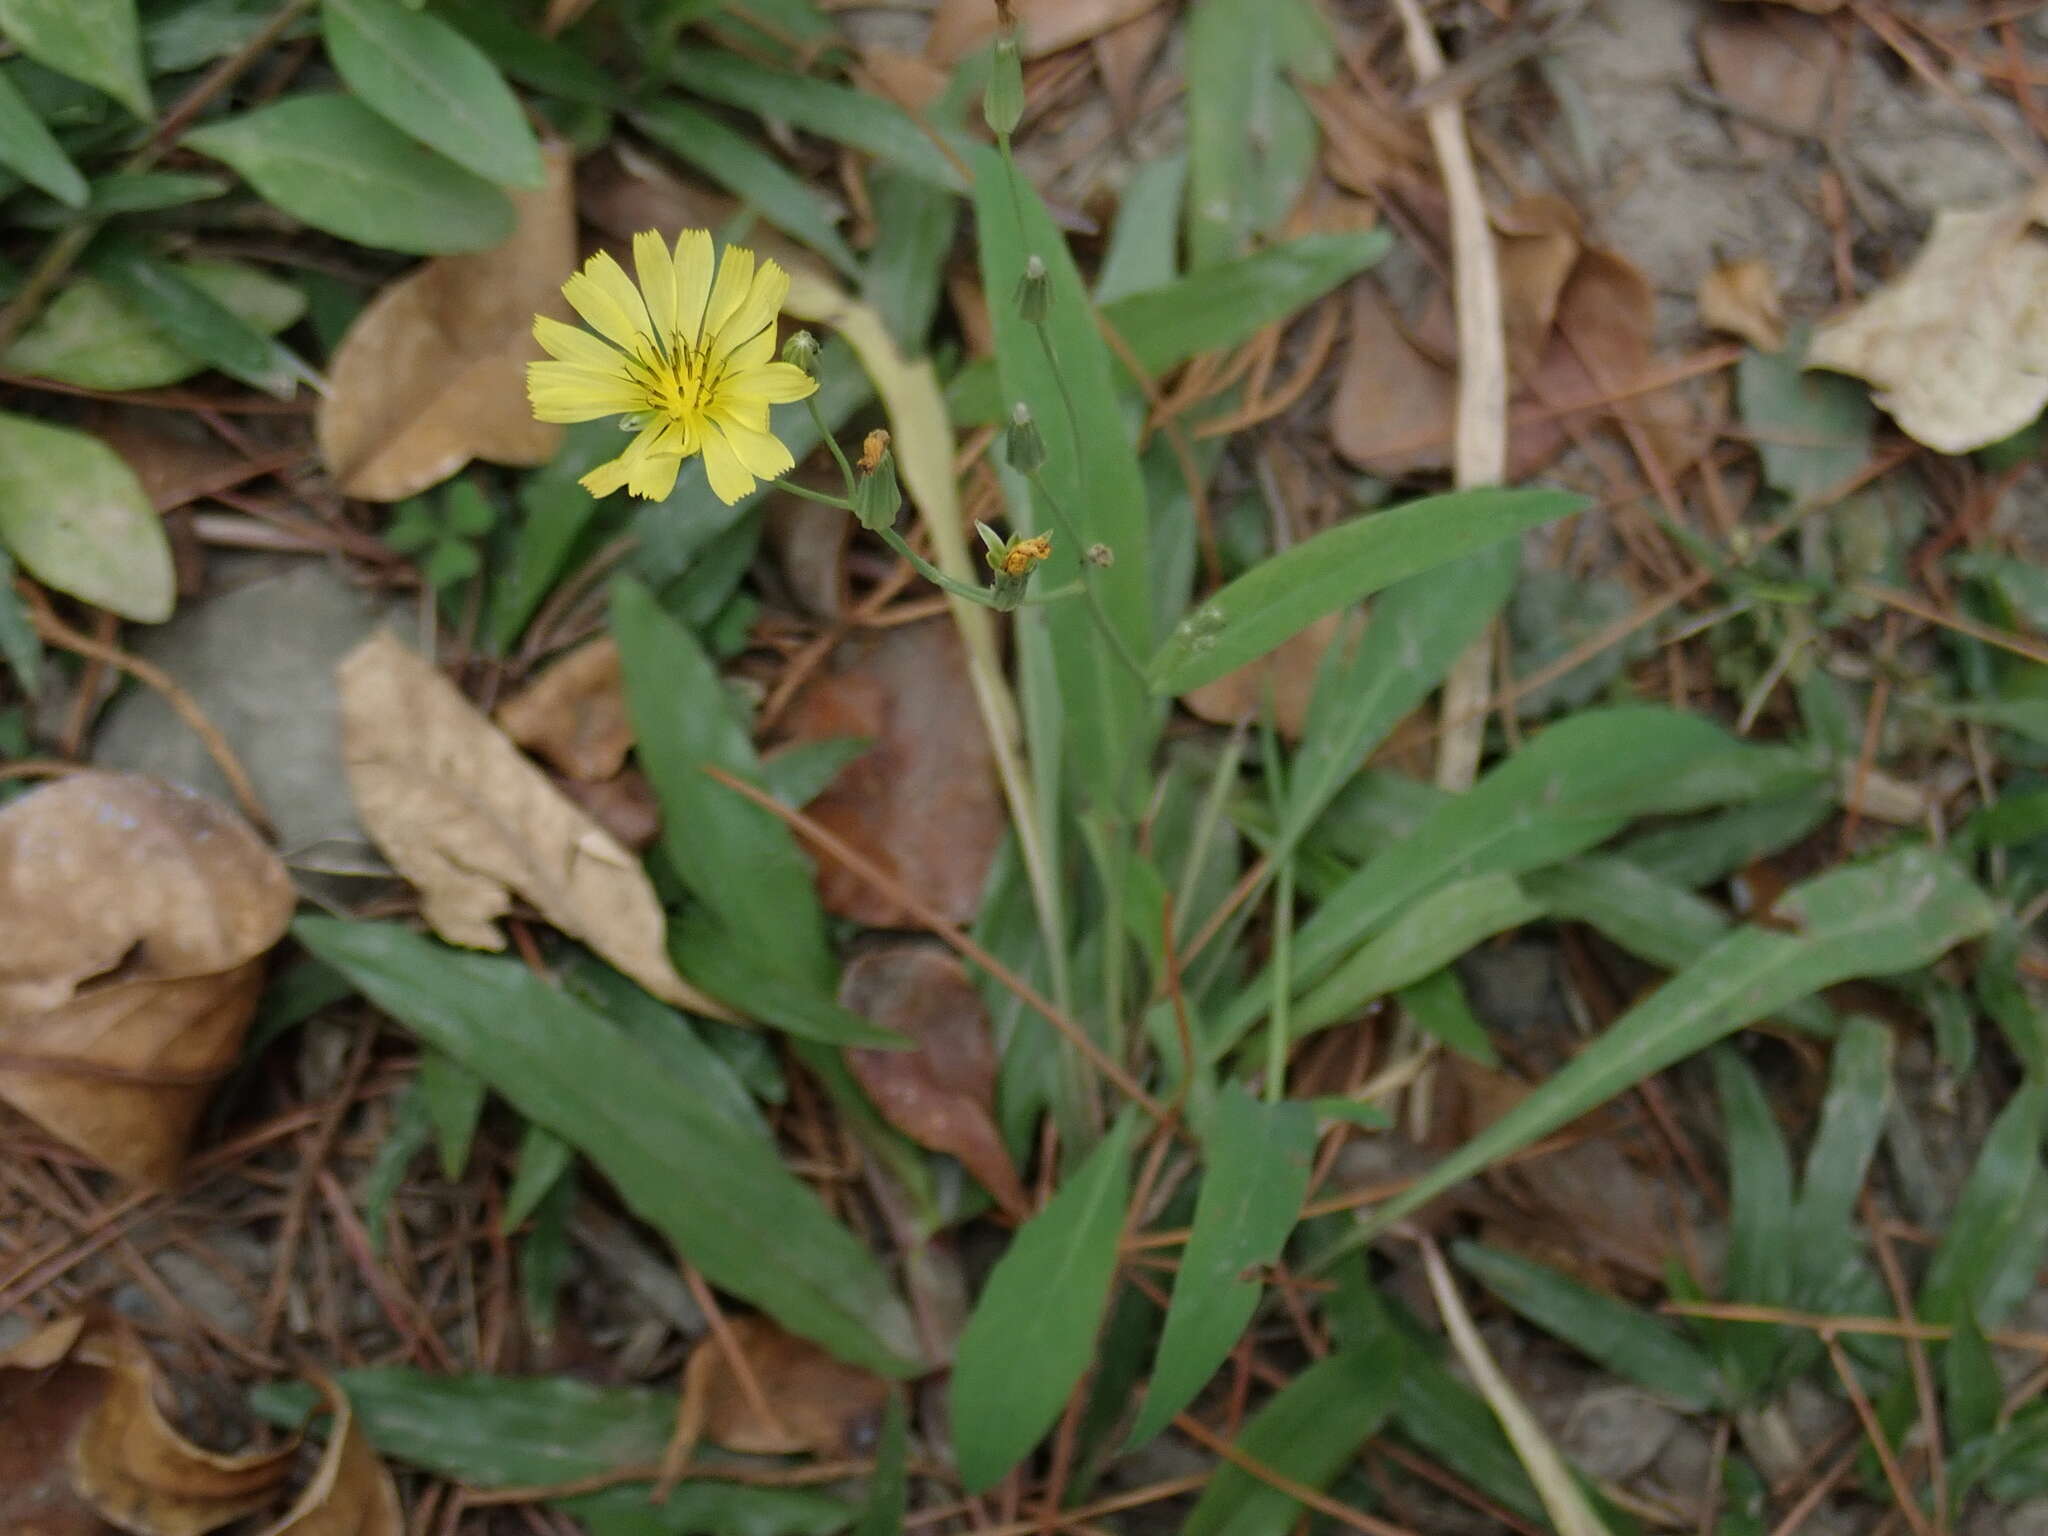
(1013,561)
(1033,292)
(1024,448)
(876,497)
(801,350)
(1002,104)
(1101,556)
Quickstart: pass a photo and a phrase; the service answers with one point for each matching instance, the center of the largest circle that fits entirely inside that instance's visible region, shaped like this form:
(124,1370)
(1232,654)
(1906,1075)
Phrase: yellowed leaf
(86,1452)
(136,916)
(1956,346)
(433,372)
(351,1493)
(1741,298)
(463,815)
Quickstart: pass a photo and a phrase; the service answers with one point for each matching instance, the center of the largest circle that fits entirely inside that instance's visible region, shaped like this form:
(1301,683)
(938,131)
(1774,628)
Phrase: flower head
(687,358)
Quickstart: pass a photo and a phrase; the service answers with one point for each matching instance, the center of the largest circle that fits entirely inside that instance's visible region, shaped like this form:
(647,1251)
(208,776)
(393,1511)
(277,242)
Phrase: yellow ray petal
(771,384)
(735,280)
(655,476)
(760,453)
(603,295)
(574,346)
(728,476)
(565,392)
(694,263)
(755,314)
(656,270)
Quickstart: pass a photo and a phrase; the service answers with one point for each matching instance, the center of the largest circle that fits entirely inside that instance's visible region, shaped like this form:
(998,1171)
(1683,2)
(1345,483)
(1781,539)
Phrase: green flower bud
(1034,292)
(801,350)
(1002,105)
(1025,449)
(876,496)
(1013,560)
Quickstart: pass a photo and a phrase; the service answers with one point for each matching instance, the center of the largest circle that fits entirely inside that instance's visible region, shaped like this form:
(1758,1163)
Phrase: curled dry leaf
(1364,146)
(1776,68)
(1286,675)
(1957,344)
(1741,298)
(573,716)
(941,1092)
(136,916)
(1539,241)
(86,1452)
(1394,404)
(818,1406)
(433,372)
(463,815)
(351,1493)
(922,801)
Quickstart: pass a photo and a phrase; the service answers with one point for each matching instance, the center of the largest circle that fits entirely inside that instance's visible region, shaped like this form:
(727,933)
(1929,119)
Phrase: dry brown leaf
(1043,26)
(175,460)
(817,1405)
(940,1093)
(1124,55)
(137,914)
(573,716)
(1287,675)
(1539,244)
(1956,346)
(86,1452)
(921,802)
(1392,412)
(1364,148)
(810,540)
(432,374)
(624,805)
(1741,298)
(909,80)
(351,1493)
(1778,68)
(463,815)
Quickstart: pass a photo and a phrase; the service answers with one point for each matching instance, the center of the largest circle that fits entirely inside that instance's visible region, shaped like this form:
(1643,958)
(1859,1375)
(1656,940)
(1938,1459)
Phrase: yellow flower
(688,359)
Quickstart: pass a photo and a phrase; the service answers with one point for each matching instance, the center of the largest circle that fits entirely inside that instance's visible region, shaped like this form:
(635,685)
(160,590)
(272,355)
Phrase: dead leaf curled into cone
(1956,346)
(817,1406)
(351,1492)
(432,374)
(941,1092)
(1741,299)
(469,820)
(136,914)
(573,716)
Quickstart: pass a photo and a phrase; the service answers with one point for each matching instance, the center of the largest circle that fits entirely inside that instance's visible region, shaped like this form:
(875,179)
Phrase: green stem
(832,442)
(1070,532)
(824,497)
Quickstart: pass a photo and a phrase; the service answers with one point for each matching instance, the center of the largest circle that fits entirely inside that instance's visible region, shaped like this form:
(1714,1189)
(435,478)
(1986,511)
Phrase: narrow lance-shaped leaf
(1256,1161)
(76,518)
(1990,1212)
(1033,1330)
(1280,597)
(96,41)
(31,151)
(740,1216)
(1875,919)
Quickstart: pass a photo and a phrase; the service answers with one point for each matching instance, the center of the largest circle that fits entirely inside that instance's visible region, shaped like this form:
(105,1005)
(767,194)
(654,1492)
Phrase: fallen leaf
(1393,407)
(1364,148)
(809,540)
(351,1493)
(959,27)
(624,805)
(1124,55)
(137,914)
(1288,675)
(174,461)
(573,716)
(1539,242)
(1741,298)
(818,1405)
(87,1452)
(1776,68)
(1957,345)
(463,815)
(941,1092)
(432,374)
(910,80)
(922,801)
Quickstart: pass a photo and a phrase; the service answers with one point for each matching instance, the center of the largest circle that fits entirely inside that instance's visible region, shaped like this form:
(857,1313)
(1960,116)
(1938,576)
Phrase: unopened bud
(876,496)
(1101,555)
(1024,448)
(1002,104)
(801,351)
(1034,292)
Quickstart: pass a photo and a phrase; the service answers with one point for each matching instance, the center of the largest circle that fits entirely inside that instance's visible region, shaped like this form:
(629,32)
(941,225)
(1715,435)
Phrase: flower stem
(832,442)
(824,497)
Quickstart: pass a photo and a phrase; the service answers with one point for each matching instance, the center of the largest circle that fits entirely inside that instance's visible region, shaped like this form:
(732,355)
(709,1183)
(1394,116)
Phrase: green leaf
(1255,1161)
(740,1216)
(1990,1212)
(32,152)
(1852,1118)
(1280,597)
(332,162)
(546,1254)
(411,1131)
(837,112)
(521,52)
(453,1097)
(706,1505)
(120,192)
(889,1487)
(706,952)
(1438,1007)
(1759,1266)
(422,75)
(1971,1391)
(75,516)
(102,338)
(749,173)
(191,318)
(1033,1330)
(96,41)
(1574,785)
(543,1158)
(915,223)
(1876,919)
(18,643)
(1252,141)
(1307,1432)
(1624,1339)
(1091,476)
(1812,430)
(554,512)
(735,857)
(1207,311)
